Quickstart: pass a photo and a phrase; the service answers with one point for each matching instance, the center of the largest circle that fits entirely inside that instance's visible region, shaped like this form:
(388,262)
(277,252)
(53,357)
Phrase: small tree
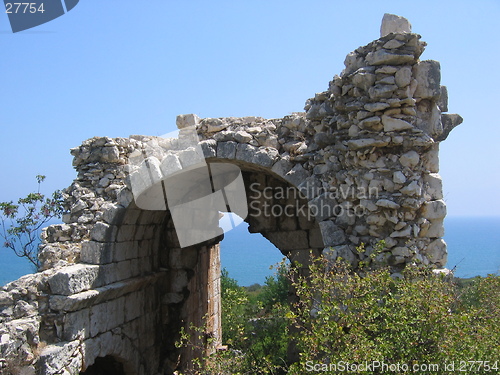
(21,223)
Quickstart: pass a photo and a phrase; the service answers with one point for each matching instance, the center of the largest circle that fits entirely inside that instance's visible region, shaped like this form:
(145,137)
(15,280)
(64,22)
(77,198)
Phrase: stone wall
(360,165)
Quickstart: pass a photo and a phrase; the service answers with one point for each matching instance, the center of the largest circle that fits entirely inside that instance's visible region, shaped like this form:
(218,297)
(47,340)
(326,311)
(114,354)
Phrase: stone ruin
(115,287)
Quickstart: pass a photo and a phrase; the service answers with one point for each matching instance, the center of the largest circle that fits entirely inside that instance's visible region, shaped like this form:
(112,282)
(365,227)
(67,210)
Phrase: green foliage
(21,223)
(358,317)
(253,321)
(419,318)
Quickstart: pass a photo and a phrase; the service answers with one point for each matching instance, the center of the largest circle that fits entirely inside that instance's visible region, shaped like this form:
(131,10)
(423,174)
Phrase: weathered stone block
(384,57)
(436,252)
(434,210)
(93,252)
(394,124)
(103,232)
(433,186)
(76,325)
(184,121)
(428,76)
(245,152)
(74,279)
(226,150)
(296,175)
(54,358)
(392,23)
(409,159)
(332,234)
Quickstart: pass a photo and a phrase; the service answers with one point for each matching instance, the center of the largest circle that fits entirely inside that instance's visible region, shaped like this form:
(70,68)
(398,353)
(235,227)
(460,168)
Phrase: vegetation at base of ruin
(21,223)
(344,316)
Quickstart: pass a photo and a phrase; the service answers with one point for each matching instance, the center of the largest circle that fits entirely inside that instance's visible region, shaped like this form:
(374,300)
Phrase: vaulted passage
(105,366)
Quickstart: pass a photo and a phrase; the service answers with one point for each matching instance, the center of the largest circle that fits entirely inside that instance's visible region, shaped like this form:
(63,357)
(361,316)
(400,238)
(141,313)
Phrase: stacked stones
(382,118)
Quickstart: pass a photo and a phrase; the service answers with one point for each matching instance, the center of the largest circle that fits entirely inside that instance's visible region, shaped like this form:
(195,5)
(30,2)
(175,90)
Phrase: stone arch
(176,286)
(115,282)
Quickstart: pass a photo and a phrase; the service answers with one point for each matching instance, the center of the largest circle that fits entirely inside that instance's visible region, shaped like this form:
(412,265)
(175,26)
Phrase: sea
(473,250)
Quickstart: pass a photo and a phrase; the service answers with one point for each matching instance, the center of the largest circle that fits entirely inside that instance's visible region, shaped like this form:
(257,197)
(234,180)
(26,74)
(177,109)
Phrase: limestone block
(226,150)
(436,229)
(394,124)
(398,177)
(430,159)
(74,279)
(315,239)
(184,121)
(5,299)
(74,302)
(406,232)
(443,99)
(343,252)
(296,175)
(401,251)
(392,23)
(434,210)
(245,152)
(433,186)
(364,80)
(323,207)
(76,325)
(428,76)
(368,204)
(265,157)
(54,358)
(381,91)
(403,76)
(242,136)
(102,232)
(375,107)
(332,234)
(393,44)
(412,189)
(372,123)
(356,144)
(110,154)
(98,319)
(436,252)
(93,252)
(386,203)
(409,159)
(311,187)
(170,164)
(190,157)
(384,57)
(209,148)
(133,305)
(449,122)
(375,219)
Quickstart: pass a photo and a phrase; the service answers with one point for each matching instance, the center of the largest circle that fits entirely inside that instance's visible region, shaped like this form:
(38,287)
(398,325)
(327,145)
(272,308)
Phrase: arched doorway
(105,366)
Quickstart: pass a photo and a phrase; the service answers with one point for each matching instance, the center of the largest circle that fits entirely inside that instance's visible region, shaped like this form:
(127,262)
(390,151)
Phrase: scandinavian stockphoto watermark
(310,200)
(170,172)
(23,16)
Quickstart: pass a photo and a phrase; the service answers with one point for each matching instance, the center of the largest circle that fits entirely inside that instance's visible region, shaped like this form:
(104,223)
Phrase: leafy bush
(353,318)
(21,223)
(421,318)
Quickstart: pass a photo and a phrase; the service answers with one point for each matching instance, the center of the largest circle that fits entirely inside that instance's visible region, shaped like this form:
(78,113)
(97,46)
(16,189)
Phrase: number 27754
(24,8)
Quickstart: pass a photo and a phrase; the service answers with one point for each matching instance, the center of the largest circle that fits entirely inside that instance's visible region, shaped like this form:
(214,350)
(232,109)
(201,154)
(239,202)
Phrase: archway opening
(105,366)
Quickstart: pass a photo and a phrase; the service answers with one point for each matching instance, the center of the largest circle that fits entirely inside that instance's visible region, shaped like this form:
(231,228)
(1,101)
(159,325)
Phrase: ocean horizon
(473,250)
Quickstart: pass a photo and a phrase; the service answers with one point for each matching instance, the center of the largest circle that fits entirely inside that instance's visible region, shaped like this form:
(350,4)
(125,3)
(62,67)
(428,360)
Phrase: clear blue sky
(120,67)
